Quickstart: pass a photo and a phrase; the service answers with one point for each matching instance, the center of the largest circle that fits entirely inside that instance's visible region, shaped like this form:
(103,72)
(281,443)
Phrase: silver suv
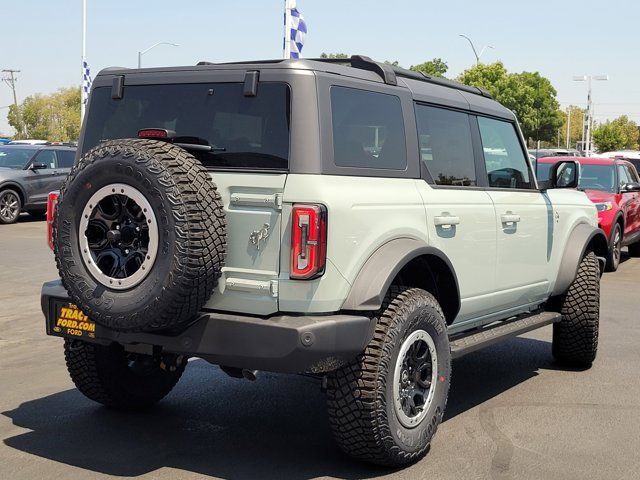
(27,174)
(344,219)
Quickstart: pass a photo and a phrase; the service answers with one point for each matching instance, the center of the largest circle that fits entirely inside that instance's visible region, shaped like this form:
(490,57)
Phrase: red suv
(614,186)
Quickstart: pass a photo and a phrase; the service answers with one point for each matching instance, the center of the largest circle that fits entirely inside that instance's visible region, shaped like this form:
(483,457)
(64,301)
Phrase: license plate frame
(67,320)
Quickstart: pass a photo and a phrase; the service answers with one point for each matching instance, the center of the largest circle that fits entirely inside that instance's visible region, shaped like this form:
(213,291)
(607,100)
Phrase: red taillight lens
(308,241)
(52,202)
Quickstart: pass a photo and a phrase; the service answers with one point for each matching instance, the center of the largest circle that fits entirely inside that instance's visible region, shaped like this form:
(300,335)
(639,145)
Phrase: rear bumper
(291,344)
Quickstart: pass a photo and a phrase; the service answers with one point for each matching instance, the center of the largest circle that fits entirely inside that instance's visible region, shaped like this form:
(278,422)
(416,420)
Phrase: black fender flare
(583,236)
(375,277)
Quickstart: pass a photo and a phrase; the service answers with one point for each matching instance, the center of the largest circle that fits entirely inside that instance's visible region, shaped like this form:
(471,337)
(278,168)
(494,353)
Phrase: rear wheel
(615,250)
(115,378)
(575,337)
(385,406)
(10,206)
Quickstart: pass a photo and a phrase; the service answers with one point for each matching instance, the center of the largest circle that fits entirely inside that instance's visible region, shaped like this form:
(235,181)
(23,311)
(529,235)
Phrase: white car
(28,142)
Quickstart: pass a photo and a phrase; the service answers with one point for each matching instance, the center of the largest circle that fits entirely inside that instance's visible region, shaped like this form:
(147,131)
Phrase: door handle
(446,220)
(509,218)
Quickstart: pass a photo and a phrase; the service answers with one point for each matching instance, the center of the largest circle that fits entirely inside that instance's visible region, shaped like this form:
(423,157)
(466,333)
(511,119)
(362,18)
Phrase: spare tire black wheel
(139,235)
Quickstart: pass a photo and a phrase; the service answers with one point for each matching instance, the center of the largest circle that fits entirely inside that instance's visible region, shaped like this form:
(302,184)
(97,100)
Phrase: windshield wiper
(196,143)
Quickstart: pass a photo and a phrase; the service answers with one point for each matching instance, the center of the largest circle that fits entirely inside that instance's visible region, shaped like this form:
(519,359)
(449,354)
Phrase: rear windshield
(245,132)
(11,157)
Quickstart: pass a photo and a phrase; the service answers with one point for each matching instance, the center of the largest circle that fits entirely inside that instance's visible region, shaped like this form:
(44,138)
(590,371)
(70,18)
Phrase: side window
(633,175)
(368,129)
(66,158)
(446,149)
(503,155)
(48,157)
(623,175)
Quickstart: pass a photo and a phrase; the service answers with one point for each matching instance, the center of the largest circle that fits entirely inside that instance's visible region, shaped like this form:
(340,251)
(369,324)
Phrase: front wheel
(575,337)
(385,406)
(615,250)
(113,377)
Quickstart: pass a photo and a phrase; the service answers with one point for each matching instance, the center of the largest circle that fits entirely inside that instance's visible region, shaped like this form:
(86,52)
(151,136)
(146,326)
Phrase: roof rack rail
(387,72)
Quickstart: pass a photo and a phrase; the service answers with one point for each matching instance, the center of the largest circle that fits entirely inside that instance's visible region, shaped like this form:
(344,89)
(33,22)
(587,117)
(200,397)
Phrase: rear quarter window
(368,129)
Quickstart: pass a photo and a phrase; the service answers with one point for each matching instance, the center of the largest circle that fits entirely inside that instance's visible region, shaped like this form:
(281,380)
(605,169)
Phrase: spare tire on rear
(139,235)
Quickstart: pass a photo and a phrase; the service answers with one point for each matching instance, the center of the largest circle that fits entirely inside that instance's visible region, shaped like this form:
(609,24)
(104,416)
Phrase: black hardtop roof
(423,87)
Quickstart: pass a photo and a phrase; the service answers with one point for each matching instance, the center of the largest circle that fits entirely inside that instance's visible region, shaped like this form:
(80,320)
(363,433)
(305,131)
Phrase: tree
(618,134)
(434,68)
(334,55)
(528,94)
(54,117)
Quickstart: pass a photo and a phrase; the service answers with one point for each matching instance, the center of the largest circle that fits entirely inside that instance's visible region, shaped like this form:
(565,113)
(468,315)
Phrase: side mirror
(38,166)
(630,187)
(564,174)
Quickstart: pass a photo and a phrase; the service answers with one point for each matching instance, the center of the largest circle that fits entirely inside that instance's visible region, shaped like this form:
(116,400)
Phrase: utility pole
(568,126)
(10,79)
(588,117)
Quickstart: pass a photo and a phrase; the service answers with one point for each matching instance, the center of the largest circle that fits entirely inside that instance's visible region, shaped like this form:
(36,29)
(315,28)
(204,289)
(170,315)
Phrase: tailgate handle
(257,200)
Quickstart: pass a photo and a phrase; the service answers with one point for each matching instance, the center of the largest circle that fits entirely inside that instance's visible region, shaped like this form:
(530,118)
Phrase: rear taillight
(52,203)
(308,241)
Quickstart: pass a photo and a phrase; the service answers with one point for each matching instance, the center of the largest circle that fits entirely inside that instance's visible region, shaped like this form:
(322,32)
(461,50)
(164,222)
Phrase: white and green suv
(344,219)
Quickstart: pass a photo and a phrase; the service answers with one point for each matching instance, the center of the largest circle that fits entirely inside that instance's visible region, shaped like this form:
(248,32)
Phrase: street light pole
(588,117)
(140,53)
(475,52)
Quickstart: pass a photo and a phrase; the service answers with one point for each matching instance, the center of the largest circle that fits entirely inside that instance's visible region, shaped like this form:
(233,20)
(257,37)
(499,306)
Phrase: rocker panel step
(461,345)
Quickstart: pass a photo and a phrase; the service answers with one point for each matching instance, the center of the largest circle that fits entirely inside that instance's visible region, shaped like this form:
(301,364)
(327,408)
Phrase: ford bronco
(344,219)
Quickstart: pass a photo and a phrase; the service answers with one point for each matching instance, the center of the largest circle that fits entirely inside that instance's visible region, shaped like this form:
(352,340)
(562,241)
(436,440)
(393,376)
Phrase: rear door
(460,214)
(64,162)
(246,149)
(524,217)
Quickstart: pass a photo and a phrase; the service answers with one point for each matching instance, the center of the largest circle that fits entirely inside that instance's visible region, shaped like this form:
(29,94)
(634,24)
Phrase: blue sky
(560,38)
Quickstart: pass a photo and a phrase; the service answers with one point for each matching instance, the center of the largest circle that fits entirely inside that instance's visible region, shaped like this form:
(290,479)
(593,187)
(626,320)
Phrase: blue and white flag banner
(295,30)
(86,82)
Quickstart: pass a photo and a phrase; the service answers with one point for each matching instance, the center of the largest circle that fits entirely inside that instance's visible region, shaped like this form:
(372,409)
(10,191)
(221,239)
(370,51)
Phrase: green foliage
(528,94)
(334,55)
(434,68)
(618,134)
(54,117)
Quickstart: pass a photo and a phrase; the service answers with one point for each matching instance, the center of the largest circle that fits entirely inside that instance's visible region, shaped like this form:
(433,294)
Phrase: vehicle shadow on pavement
(211,424)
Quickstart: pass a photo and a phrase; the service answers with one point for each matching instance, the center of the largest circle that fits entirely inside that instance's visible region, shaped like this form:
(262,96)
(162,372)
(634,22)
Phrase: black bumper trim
(283,343)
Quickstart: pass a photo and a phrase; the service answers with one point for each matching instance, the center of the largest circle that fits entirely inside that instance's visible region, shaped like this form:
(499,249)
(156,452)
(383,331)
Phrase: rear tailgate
(253,205)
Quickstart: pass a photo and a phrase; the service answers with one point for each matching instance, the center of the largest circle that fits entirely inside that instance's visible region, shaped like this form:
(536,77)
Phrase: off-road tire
(613,257)
(360,395)
(575,337)
(103,374)
(13,218)
(634,249)
(191,235)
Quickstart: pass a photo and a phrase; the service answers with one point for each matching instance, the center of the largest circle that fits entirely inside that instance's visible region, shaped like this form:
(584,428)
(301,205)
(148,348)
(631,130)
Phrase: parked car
(29,142)
(614,186)
(356,222)
(632,156)
(553,152)
(4,141)
(27,174)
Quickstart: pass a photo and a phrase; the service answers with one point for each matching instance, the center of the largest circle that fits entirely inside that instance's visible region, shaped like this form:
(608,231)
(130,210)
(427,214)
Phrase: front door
(524,217)
(38,182)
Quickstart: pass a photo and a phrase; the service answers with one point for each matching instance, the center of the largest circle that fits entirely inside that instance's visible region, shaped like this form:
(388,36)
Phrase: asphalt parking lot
(512,414)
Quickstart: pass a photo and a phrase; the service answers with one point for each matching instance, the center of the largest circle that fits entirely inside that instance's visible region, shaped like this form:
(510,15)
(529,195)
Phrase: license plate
(69,321)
